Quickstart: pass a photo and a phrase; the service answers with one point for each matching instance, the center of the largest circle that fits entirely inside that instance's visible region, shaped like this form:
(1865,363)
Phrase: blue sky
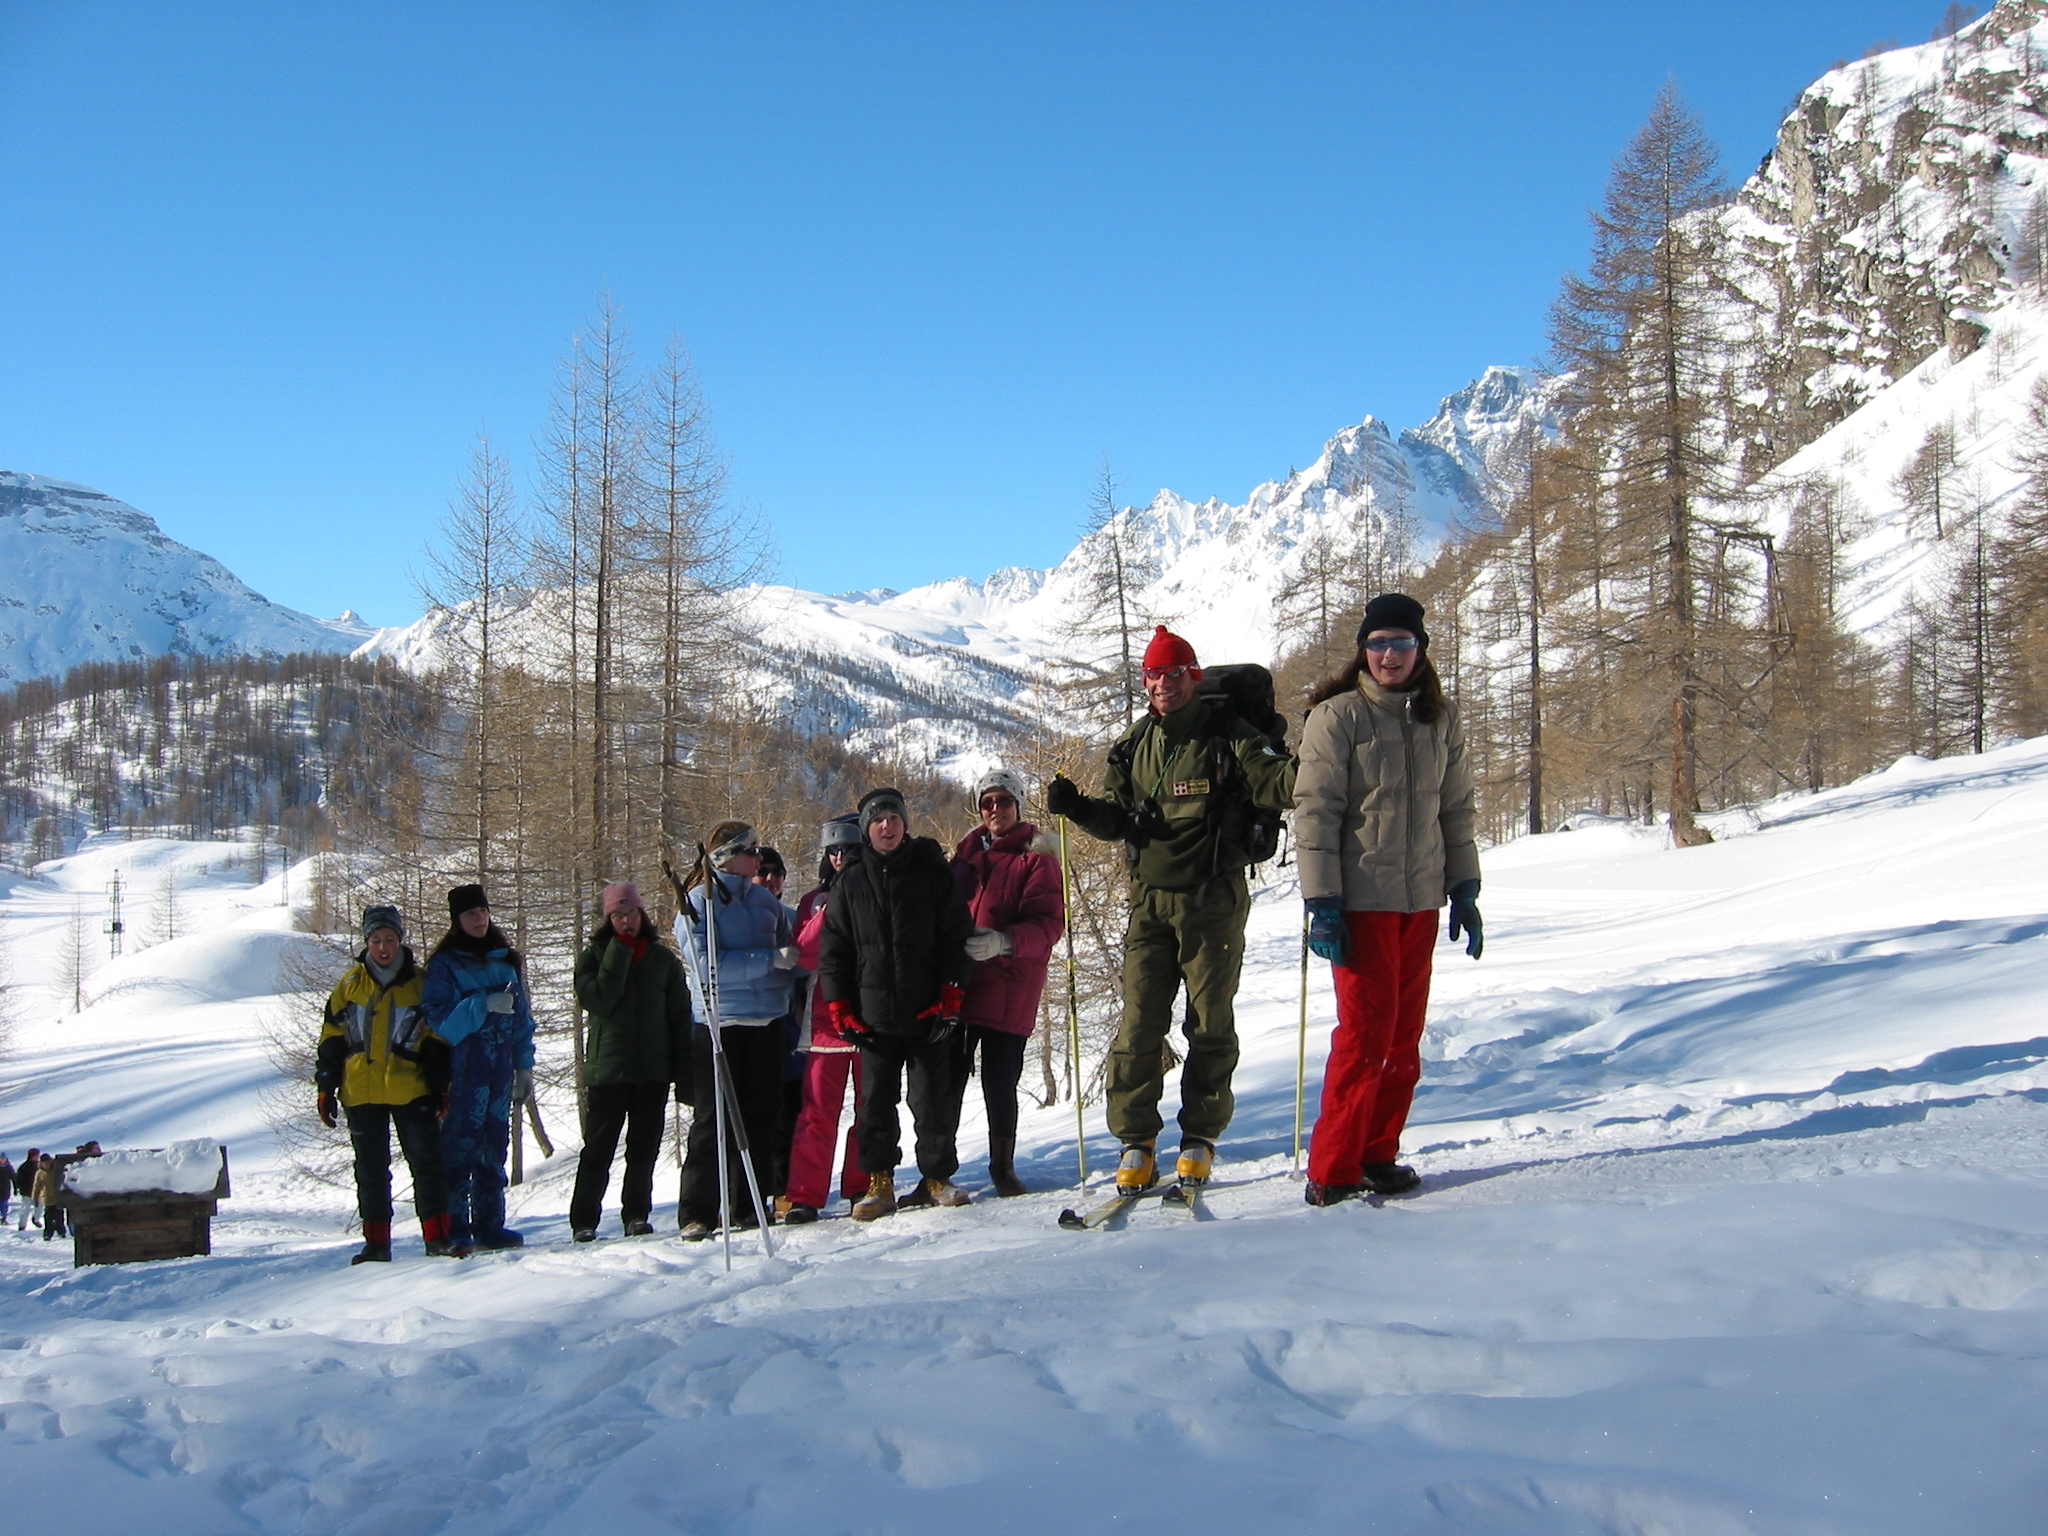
(269,268)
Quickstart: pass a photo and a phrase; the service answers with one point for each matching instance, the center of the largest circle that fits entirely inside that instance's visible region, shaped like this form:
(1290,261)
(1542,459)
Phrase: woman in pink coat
(1012,888)
(832,1061)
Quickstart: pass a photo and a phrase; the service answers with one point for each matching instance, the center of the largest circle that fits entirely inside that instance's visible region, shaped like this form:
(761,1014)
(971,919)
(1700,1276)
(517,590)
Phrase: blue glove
(1327,935)
(1465,915)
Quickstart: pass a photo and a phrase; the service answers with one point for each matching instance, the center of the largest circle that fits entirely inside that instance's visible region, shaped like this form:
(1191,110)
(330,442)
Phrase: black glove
(1465,915)
(330,1111)
(1063,796)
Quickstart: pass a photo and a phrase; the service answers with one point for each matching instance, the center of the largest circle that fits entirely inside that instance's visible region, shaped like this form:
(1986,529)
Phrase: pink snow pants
(817,1129)
(1375,1052)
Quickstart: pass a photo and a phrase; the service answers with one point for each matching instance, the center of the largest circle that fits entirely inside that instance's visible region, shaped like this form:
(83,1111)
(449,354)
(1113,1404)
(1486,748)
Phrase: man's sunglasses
(1164,674)
(1400,645)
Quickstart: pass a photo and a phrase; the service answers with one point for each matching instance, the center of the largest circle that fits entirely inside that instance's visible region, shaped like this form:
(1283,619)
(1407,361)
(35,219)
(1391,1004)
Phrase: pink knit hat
(620,896)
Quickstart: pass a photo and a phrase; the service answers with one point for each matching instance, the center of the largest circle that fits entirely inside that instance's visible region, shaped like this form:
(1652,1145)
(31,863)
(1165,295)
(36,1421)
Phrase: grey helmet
(1010,783)
(839,832)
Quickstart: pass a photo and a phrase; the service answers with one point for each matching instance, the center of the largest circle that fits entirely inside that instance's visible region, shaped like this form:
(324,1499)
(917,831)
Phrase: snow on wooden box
(144,1203)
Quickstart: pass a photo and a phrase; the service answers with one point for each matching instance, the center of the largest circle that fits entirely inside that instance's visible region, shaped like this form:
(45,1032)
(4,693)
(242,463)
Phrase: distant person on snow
(893,970)
(1011,883)
(6,1186)
(380,1067)
(633,989)
(476,1000)
(756,956)
(25,1188)
(49,1183)
(1383,828)
(1178,793)
(829,1061)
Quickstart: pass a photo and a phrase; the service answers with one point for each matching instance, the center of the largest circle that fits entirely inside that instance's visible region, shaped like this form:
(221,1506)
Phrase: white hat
(1009,783)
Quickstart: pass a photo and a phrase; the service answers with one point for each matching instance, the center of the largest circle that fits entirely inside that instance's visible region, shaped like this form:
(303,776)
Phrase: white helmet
(1011,784)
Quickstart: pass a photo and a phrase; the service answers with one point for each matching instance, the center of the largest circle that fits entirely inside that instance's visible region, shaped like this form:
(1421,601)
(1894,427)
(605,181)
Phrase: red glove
(329,1113)
(951,1000)
(846,1023)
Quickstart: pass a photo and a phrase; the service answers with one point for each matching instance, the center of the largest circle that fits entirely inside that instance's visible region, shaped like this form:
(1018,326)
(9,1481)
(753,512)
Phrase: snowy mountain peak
(89,578)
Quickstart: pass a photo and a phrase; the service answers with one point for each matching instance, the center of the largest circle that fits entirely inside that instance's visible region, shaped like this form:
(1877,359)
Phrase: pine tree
(1638,332)
(1927,484)
(1105,635)
(478,572)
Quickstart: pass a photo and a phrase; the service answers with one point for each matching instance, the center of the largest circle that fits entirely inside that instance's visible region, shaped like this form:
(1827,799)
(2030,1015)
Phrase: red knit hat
(1169,650)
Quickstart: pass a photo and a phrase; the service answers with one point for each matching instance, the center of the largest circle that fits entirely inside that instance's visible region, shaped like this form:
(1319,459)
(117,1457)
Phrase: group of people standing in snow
(904,972)
(36,1181)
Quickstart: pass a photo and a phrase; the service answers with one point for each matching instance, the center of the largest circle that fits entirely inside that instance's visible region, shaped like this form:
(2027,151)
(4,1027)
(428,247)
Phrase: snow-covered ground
(1736,1221)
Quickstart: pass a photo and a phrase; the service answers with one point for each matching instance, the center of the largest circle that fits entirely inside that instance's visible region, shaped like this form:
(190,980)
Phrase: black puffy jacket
(895,932)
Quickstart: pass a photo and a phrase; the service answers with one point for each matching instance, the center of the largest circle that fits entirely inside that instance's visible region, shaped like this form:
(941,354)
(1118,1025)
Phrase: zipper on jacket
(1408,821)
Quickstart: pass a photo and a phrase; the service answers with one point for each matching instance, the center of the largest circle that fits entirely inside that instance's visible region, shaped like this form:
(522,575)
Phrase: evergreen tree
(1638,333)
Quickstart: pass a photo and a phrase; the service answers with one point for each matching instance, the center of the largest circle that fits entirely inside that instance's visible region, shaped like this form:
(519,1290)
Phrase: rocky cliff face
(1892,213)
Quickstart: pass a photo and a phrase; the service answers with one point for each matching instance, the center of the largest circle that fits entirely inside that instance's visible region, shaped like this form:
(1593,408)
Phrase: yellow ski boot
(1138,1171)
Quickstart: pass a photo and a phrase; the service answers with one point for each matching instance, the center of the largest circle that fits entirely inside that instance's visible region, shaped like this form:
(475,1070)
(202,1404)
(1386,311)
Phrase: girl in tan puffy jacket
(1383,819)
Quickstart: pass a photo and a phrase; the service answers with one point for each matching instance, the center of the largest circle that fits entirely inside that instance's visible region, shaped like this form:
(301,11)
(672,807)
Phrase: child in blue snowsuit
(475,999)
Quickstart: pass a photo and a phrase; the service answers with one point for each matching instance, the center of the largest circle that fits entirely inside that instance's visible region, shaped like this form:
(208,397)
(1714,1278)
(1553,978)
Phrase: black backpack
(1245,689)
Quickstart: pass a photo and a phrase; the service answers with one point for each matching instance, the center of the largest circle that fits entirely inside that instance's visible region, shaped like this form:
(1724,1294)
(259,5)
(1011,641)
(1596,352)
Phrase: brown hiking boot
(880,1200)
(1002,1166)
(945,1192)
(920,1197)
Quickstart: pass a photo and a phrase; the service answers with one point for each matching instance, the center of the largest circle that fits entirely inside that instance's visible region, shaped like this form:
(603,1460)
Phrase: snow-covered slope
(88,578)
(1735,1221)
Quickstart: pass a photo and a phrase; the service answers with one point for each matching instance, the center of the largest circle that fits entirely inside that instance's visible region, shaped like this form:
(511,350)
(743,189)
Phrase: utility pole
(115,927)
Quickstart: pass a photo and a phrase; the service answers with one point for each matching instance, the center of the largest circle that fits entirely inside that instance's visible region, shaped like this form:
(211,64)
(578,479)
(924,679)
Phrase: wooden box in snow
(147,1203)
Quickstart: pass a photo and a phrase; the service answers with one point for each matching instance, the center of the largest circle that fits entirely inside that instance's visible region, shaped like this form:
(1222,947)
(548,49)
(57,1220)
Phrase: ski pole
(734,1123)
(1073,1010)
(724,1108)
(1301,1048)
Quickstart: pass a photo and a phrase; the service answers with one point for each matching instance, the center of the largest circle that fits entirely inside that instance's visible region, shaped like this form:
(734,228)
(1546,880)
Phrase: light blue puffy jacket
(752,924)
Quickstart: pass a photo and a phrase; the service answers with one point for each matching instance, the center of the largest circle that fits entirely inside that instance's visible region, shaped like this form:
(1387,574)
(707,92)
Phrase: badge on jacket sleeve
(1190,787)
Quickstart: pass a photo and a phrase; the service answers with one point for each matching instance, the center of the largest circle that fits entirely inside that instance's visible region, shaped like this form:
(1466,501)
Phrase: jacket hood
(913,850)
(408,965)
(1023,837)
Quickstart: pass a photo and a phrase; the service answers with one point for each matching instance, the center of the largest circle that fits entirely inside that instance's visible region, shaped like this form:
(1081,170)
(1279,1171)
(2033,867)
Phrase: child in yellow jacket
(388,1070)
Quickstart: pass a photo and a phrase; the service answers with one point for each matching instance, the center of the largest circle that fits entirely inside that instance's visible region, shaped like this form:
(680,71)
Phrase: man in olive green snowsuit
(1177,792)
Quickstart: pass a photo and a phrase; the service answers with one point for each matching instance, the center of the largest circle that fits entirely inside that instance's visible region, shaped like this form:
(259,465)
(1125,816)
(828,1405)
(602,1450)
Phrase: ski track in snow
(1736,1221)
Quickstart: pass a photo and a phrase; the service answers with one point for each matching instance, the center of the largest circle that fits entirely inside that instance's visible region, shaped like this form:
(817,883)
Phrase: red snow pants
(1375,1051)
(817,1132)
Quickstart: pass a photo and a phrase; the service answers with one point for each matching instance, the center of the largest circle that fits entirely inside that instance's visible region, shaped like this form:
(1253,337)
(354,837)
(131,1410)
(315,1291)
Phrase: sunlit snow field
(1737,1186)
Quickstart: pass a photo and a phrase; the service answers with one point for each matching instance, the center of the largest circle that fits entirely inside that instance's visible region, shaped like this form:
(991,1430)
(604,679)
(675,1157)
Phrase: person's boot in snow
(434,1237)
(639,1229)
(1139,1169)
(799,1214)
(1196,1160)
(880,1200)
(943,1192)
(1329,1194)
(1002,1166)
(1390,1178)
(376,1247)
(695,1231)
(918,1198)
(584,1235)
(504,1237)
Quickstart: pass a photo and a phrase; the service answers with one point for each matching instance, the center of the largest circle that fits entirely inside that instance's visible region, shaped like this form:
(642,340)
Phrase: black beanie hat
(466,898)
(1394,610)
(876,802)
